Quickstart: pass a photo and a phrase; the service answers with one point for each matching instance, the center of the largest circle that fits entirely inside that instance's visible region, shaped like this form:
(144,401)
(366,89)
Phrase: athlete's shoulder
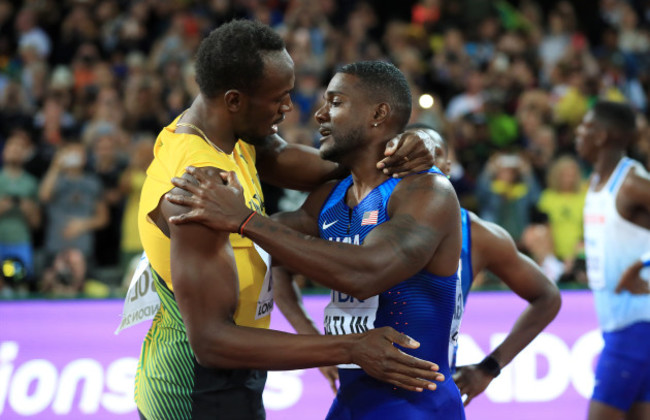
(428,183)
(489,237)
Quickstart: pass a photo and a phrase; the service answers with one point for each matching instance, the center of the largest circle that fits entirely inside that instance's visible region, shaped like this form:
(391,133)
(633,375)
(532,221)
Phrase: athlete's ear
(233,99)
(382,111)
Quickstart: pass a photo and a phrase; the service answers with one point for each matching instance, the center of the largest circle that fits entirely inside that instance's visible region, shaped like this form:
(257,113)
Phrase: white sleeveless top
(611,245)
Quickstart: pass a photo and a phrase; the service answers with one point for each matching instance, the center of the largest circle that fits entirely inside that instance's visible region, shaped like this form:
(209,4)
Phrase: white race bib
(265,300)
(141,302)
(348,315)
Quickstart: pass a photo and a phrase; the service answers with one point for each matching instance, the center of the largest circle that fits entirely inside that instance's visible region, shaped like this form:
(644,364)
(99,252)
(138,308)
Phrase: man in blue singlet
(617,233)
(486,246)
(392,245)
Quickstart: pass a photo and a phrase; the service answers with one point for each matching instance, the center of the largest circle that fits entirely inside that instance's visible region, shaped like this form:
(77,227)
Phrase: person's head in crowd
(142,152)
(542,146)
(366,104)
(72,158)
(607,126)
(507,168)
(564,175)
(104,148)
(14,150)
(254,83)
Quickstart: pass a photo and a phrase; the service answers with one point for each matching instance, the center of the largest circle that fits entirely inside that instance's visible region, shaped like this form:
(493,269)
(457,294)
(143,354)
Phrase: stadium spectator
(19,209)
(507,191)
(68,69)
(75,208)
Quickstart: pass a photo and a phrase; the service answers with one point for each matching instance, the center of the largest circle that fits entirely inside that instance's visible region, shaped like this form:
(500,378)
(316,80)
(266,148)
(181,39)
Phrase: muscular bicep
(204,275)
(423,231)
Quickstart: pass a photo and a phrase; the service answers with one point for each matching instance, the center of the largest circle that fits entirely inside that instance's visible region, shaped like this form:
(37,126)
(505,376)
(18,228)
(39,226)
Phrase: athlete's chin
(329,153)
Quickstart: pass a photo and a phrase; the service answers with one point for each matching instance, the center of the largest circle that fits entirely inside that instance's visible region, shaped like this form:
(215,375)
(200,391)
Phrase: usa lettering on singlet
(611,245)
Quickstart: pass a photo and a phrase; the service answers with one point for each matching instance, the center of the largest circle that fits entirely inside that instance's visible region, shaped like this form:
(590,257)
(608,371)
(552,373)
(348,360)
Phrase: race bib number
(348,315)
(141,302)
(456,320)
(265,300)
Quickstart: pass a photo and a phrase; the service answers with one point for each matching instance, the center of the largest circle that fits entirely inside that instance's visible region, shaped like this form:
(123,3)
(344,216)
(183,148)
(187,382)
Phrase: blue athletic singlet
(421,306)
(466,276)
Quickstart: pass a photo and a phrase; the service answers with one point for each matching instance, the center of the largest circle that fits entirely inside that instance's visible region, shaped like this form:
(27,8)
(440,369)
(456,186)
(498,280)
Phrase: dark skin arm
(279,162)
(633,203)
(424,214)
(287,296)
(204,277)
(493,249)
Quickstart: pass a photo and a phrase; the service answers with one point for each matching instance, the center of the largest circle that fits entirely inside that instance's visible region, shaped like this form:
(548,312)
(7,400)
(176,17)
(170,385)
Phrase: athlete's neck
(365,175)
(207,116)
(606,163)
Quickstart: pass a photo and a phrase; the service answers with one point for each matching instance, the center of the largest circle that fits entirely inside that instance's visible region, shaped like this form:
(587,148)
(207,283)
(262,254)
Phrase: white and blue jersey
(612,244)
(421,306)
(465,279)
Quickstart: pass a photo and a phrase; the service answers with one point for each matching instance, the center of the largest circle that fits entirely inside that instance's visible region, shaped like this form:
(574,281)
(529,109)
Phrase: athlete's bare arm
(633,203)
(204,277)
(287,297)
(423,233)
(493,249)
(300,167)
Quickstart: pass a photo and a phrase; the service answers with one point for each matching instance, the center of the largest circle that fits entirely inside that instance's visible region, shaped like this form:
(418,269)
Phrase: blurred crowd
(86,85)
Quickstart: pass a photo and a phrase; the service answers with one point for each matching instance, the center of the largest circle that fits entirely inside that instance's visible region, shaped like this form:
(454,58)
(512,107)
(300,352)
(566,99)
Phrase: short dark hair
(230,57)
(383,82)
(618,118)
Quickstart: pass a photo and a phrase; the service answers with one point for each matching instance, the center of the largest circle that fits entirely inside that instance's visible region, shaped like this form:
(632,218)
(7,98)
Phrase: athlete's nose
(287,106)
(321,113)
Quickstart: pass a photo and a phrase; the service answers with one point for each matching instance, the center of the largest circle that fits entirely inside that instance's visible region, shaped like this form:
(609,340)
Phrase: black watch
(490,366)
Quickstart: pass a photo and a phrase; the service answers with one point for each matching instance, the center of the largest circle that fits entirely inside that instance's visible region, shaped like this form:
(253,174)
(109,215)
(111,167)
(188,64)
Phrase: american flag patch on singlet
(369,218)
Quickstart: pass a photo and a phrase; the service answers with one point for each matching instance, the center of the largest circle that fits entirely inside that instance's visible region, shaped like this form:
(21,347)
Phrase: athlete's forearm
(355,270)
(236,347)
(537,315)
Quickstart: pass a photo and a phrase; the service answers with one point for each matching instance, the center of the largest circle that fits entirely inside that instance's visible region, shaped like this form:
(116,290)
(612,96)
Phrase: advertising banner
(60,359)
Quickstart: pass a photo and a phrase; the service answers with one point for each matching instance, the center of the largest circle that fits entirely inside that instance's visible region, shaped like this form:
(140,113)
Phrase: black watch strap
(490,366)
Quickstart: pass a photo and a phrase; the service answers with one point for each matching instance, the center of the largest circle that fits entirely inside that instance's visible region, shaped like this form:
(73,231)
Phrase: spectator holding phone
(75,210)
(19,211)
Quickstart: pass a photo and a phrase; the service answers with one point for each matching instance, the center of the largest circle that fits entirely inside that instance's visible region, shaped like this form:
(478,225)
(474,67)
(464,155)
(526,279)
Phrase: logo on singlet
(327,225)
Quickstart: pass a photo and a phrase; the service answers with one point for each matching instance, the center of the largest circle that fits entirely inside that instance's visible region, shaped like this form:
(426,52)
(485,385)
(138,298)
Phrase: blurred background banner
(60,359)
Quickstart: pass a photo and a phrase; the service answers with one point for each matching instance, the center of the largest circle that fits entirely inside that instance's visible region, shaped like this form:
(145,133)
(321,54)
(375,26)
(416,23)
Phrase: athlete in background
(617,234)
(487,246)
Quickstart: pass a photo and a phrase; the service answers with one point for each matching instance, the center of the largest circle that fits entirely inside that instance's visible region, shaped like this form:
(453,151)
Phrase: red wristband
(246,220)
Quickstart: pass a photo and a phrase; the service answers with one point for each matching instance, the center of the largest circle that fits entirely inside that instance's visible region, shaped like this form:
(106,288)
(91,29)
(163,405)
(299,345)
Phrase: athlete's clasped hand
(388,363)
(218,194)
(405,154)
